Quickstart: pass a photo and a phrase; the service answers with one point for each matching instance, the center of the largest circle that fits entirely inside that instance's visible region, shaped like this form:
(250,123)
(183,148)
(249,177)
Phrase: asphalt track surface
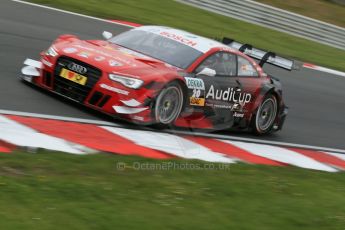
(315,99)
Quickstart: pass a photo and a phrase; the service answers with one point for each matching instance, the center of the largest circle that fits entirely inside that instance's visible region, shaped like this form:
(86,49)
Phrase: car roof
(197,42)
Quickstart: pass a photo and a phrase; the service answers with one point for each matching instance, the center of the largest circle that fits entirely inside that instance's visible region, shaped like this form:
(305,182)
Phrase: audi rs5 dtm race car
(153,74)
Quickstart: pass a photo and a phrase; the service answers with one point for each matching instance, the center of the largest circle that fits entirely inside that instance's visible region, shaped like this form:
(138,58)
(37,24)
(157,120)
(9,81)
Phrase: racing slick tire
(169,104)
(265,116)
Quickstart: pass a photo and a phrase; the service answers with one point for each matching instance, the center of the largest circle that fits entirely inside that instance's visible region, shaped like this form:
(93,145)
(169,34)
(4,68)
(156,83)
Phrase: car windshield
(158,47)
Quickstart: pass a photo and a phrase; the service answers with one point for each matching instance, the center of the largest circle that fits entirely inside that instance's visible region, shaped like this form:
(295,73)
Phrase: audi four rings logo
(77,68)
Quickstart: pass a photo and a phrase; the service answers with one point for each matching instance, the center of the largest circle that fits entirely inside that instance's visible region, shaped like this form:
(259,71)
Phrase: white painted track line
(172,144)
(282,155)
(177,132)
(21,135)
(324,69)
(60,118)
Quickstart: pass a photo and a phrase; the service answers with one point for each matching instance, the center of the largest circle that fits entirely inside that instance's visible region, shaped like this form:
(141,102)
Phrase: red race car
(154,74)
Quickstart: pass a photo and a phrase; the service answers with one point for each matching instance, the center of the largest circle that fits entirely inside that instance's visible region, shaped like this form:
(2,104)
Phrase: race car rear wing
(261,55)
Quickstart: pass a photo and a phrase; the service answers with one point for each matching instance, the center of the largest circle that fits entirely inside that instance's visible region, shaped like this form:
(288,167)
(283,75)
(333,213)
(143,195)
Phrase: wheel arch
(268,90)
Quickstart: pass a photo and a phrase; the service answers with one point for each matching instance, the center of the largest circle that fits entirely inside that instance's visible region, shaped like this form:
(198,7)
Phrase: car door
(225,86)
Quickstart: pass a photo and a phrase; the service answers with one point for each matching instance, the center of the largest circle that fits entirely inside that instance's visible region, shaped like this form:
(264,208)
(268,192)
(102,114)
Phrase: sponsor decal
(219,106)
(84,54)
(72,76)
(195,83)
(113,89)
(115,63)
(198,86)
(77,68)
(231,95)
(197,101)
(240,115)
(179,38)
(197,98)
(99,58)
(235,107)
(47,63)
(70,50)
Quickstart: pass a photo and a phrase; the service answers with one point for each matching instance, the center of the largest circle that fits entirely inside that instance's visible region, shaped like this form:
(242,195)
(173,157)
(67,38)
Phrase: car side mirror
(107,35)
(208,72)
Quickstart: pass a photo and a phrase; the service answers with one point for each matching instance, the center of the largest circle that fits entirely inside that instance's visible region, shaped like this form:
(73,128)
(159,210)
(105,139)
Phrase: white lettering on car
(178,38)
(230,94)
(239,115)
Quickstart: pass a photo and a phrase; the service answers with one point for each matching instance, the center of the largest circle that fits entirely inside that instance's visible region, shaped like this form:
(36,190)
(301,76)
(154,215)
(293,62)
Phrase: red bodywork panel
(108,58)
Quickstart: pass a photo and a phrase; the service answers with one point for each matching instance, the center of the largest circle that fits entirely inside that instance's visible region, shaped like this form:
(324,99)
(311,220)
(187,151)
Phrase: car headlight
(127,81)
(51,52)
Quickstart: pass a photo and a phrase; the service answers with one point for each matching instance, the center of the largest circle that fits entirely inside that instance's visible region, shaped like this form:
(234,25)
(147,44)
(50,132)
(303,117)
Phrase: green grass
(171,13)
(50,190)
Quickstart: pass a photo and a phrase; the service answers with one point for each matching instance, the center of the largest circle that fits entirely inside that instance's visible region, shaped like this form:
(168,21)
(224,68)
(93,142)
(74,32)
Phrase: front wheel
(169,104)
(265,115)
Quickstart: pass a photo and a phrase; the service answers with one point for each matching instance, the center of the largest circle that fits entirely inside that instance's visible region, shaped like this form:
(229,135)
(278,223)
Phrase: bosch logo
(77,68)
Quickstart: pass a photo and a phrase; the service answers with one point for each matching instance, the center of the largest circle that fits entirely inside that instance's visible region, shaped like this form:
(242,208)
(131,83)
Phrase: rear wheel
(266,115)
(169,104)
